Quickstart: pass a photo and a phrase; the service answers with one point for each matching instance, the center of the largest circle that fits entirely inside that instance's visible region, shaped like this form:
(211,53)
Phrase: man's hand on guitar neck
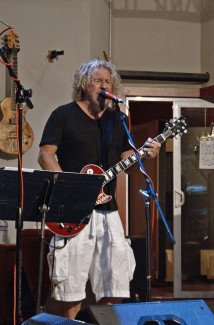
(151,148)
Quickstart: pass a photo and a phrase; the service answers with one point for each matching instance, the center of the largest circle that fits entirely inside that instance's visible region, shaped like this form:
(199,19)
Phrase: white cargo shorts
(100,252)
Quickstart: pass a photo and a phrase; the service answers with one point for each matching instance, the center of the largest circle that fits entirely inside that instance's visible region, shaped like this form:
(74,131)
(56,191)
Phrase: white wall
(154,35)
(207,37)
(79,27)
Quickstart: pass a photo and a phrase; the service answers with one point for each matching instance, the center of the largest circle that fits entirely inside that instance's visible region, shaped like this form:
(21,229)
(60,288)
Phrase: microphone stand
(147,193)
(22,95)
(20,98)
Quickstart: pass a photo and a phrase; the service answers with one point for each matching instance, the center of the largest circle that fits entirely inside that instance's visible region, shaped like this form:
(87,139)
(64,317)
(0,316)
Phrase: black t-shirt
(79,140)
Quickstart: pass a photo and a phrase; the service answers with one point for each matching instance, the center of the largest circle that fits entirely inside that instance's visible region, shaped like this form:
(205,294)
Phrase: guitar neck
(127,162)
(12,86)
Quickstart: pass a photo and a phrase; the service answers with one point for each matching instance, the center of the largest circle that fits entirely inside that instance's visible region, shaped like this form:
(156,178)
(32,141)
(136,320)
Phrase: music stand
(48,196)
(69,196)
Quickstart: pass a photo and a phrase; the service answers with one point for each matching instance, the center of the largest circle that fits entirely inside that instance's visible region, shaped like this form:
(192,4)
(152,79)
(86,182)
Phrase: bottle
(3,231)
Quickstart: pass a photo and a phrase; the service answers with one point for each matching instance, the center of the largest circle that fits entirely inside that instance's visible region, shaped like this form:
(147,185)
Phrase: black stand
(44,210)
(148,263)
(49,196)
(149,192)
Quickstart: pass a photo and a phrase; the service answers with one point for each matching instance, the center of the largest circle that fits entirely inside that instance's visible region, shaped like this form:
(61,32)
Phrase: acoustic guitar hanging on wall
(8,124)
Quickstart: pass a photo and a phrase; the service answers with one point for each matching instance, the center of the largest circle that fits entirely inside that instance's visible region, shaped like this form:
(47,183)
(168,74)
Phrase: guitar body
(65,229)
(72,229)
(8,133)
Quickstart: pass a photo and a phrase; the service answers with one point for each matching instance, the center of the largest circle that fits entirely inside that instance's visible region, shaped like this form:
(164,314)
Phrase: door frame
(174,100)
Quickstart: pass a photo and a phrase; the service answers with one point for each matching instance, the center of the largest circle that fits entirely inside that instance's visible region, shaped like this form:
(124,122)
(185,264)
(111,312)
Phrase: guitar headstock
(11,42)
(175,127)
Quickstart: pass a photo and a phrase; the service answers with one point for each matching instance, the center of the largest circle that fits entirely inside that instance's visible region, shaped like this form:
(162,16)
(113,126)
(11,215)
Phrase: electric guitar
(173,128)
(8,124)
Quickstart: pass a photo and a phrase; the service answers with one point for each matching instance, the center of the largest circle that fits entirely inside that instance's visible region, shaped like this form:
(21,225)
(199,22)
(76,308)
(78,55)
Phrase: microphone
(105,94)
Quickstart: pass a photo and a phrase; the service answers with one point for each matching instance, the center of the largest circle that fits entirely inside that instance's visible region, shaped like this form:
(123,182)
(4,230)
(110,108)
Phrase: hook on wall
(54,55)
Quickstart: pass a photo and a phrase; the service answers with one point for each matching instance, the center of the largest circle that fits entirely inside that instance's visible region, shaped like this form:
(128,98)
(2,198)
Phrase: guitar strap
(106,134)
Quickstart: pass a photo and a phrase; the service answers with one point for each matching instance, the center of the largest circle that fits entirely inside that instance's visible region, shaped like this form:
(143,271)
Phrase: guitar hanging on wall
(173,128)
(8,124)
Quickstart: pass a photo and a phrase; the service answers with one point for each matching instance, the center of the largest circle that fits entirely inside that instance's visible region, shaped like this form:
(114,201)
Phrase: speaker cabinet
(48,319)
(185,312)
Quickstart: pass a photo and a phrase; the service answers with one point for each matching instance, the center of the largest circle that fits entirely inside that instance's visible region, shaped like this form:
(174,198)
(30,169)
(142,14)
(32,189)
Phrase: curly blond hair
(84,75)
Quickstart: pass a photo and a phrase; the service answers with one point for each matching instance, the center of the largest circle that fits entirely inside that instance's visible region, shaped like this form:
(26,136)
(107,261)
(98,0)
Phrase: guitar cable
(5,24)
(53,258)
(52,246)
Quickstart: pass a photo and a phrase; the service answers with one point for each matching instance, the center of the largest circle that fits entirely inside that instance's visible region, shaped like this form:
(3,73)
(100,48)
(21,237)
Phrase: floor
(164,292)
(159,292)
